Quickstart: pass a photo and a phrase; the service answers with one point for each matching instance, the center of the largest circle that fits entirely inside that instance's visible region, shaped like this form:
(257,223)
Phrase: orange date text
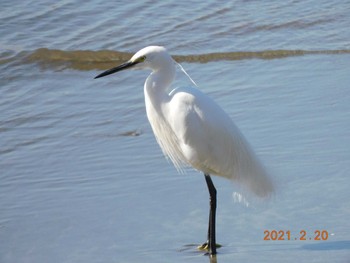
(317,235)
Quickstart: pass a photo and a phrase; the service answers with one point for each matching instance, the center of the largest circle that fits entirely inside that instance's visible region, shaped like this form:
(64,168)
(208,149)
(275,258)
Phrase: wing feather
(207,139)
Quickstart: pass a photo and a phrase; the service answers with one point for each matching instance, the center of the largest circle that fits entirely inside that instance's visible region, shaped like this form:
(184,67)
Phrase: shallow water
(82,178)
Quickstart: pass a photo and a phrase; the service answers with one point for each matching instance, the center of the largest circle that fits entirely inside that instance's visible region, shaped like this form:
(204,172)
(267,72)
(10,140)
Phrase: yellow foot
(205,246)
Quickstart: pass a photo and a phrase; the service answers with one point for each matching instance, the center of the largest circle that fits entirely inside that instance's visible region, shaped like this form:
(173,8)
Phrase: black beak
(123,66)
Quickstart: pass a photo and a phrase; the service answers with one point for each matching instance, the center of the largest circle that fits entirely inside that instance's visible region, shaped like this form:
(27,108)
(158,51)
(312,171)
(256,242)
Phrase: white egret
(192,130)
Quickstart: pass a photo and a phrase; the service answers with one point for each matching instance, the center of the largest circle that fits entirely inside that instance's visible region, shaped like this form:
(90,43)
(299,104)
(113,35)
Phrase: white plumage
(192,130)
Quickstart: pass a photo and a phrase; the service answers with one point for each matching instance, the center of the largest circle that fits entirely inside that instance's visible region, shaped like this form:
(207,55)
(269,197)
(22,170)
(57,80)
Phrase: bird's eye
(141,59)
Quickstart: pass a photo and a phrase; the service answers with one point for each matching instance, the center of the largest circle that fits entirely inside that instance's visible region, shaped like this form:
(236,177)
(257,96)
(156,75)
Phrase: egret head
(152,57)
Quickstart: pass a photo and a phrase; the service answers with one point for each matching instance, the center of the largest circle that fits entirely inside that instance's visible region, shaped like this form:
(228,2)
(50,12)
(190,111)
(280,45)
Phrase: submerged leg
(211,241)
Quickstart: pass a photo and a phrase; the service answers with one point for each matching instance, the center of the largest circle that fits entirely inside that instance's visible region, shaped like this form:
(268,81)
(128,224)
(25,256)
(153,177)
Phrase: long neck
(157,83)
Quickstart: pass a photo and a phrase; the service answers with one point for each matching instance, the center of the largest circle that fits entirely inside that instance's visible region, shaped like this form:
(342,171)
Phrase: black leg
(211,226)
